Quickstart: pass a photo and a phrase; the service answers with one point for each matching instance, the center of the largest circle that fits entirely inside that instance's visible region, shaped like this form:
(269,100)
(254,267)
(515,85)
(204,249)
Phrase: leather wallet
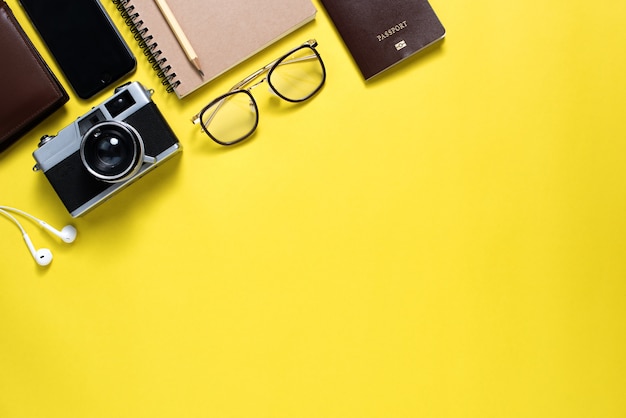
(30,90)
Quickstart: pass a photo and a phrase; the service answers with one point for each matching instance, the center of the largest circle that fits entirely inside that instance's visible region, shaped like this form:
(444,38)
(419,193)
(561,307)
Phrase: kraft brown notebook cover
(30,91)
(381,33)
(223,33)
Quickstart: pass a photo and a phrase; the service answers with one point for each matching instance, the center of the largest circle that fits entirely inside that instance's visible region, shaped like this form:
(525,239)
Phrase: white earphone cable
(21,212)
(42,256)
(12,218)
(67,234)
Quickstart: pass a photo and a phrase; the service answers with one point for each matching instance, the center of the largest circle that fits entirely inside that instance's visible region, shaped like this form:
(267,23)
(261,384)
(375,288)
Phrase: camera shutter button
(44,140)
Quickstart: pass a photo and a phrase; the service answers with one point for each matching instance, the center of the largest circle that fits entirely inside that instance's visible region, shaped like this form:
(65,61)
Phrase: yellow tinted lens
(232,118)
(298,75)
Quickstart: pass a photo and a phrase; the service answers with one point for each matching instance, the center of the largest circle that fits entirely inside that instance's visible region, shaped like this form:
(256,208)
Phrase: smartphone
(84,42)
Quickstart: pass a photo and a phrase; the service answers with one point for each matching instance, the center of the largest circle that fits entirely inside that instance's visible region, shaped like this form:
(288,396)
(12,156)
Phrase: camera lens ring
(112,151)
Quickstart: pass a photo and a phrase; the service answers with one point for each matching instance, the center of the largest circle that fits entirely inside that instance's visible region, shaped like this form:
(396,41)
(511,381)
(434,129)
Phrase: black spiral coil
(147,43)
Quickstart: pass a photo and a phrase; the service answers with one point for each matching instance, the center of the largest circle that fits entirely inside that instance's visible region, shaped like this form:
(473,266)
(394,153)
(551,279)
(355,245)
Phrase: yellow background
(444,241)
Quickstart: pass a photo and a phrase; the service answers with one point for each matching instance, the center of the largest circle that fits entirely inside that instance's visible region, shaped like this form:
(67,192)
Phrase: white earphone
(42,256)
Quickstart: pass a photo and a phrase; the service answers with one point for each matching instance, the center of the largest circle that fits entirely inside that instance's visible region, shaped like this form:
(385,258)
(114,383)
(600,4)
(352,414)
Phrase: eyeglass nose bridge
(261,81)
(251,77)
(270,88)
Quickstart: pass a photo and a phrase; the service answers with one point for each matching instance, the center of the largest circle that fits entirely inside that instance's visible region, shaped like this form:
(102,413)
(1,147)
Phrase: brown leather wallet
(30,90)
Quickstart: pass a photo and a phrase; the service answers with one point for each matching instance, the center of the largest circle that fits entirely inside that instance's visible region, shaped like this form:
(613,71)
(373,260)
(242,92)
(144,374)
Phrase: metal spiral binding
(147,43)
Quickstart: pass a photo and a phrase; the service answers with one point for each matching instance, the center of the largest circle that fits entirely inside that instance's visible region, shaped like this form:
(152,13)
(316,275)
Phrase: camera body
(106,149)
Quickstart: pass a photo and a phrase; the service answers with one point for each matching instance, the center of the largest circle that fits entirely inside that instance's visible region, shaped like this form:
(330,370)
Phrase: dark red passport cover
(381,33)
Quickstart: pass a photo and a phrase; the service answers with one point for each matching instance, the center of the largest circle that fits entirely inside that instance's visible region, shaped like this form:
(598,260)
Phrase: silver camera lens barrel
(112,151)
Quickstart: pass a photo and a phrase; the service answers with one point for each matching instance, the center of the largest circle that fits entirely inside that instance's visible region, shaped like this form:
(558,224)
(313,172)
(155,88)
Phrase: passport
(381,33)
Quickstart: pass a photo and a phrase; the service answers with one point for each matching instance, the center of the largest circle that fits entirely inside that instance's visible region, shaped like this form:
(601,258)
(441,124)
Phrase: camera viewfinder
(120,103)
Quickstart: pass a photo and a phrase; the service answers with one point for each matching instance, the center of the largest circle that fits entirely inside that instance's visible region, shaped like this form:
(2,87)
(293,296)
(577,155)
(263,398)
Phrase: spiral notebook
(223,33)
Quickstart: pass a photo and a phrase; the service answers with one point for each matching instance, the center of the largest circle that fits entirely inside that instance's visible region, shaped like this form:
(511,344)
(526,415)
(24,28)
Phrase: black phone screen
(84,42)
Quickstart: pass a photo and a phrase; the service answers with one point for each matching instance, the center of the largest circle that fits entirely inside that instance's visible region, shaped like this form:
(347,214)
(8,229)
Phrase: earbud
(67,234)
(43,256)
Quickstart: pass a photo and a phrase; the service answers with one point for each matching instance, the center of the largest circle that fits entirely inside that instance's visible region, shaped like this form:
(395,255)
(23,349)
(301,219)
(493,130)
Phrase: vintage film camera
(107,149)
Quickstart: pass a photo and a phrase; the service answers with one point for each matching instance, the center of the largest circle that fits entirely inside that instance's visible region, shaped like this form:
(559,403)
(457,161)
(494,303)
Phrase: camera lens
(112,151)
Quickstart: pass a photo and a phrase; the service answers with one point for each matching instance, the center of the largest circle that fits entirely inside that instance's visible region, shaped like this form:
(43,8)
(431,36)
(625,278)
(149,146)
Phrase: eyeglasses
(294,77)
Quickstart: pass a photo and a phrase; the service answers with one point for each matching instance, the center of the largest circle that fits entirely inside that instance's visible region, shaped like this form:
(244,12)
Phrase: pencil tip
(196,63)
